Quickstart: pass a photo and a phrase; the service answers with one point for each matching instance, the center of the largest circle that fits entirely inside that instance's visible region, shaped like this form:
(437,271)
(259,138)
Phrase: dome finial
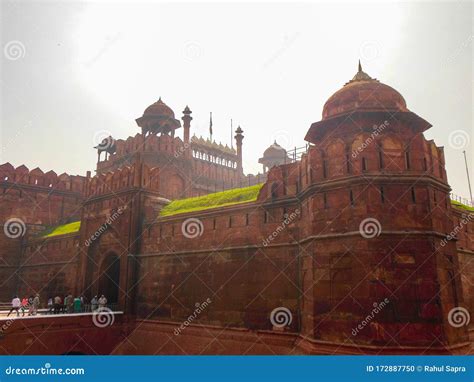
(361,75)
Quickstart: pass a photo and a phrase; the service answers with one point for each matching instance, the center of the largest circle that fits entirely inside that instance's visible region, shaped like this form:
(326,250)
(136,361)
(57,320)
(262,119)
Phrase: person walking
(24,306)
(102,302)
(57,304)
(16,303)
(94,303)
(50,305)
(36,304)
(77,305)
(30,305)
(70,303)
(64,307)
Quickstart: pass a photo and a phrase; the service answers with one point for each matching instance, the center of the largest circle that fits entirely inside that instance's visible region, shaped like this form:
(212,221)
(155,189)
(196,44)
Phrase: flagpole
(468,180)
(210,127)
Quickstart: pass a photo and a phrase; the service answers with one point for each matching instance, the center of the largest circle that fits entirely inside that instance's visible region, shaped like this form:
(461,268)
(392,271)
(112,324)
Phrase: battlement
(136,175)
(37,178)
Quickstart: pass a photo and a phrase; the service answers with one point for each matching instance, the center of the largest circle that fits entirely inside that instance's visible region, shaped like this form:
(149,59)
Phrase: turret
(238,142)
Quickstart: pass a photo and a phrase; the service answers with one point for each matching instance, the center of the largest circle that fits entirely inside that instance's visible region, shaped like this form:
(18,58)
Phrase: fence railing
(462,200)
(295,154)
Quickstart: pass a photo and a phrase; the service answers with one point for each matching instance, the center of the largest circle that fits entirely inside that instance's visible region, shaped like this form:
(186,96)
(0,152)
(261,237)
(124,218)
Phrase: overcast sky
(74,70)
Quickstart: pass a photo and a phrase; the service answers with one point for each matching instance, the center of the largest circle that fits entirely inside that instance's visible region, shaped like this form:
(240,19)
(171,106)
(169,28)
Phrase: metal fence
(461,200)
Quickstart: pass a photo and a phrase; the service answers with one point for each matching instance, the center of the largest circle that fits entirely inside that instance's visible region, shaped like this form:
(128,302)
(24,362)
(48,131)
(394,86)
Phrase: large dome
(159,109)
(363,93)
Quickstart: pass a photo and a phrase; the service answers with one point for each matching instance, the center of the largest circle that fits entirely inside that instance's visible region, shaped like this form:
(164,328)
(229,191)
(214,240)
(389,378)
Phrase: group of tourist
(72,304)
(56,305)
(30,304)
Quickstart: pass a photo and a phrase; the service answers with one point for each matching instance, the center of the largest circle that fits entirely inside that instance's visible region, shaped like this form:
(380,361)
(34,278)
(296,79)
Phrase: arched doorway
(109,278)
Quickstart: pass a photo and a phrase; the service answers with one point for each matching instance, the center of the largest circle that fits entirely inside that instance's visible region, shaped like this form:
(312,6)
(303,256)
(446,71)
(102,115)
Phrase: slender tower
(186,126)
(238,142)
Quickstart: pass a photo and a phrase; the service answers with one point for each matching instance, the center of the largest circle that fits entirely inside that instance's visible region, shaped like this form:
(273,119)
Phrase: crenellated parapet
(22,176)
(138,175)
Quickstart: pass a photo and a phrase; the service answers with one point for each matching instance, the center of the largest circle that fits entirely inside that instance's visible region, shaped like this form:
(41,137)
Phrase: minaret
(186,126)
(238,142)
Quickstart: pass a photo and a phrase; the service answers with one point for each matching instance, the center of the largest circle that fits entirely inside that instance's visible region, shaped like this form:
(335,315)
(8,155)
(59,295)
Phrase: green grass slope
(218,199)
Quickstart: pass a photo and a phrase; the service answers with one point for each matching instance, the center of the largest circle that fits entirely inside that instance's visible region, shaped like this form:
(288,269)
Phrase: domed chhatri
(274,155)
(158,118)
(159,108)
(363,93)
(366,100)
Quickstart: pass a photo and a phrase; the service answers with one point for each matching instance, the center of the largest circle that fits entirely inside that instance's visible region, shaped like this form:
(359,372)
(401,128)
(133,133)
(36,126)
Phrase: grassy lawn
(62,229)
(218,199)
(463,206)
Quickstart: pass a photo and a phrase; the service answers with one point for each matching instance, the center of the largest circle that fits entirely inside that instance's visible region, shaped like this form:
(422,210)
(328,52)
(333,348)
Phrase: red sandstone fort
(291,240)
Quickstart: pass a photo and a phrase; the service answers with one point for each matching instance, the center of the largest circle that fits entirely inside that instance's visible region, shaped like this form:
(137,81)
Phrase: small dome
(158,109)
(274,155)
(274,150)
(366,94)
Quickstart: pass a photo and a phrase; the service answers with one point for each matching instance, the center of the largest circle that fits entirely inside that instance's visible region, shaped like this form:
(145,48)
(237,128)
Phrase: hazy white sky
(82,68)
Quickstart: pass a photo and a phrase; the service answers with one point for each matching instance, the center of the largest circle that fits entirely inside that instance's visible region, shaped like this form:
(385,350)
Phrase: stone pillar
(186,126)
(238,142)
